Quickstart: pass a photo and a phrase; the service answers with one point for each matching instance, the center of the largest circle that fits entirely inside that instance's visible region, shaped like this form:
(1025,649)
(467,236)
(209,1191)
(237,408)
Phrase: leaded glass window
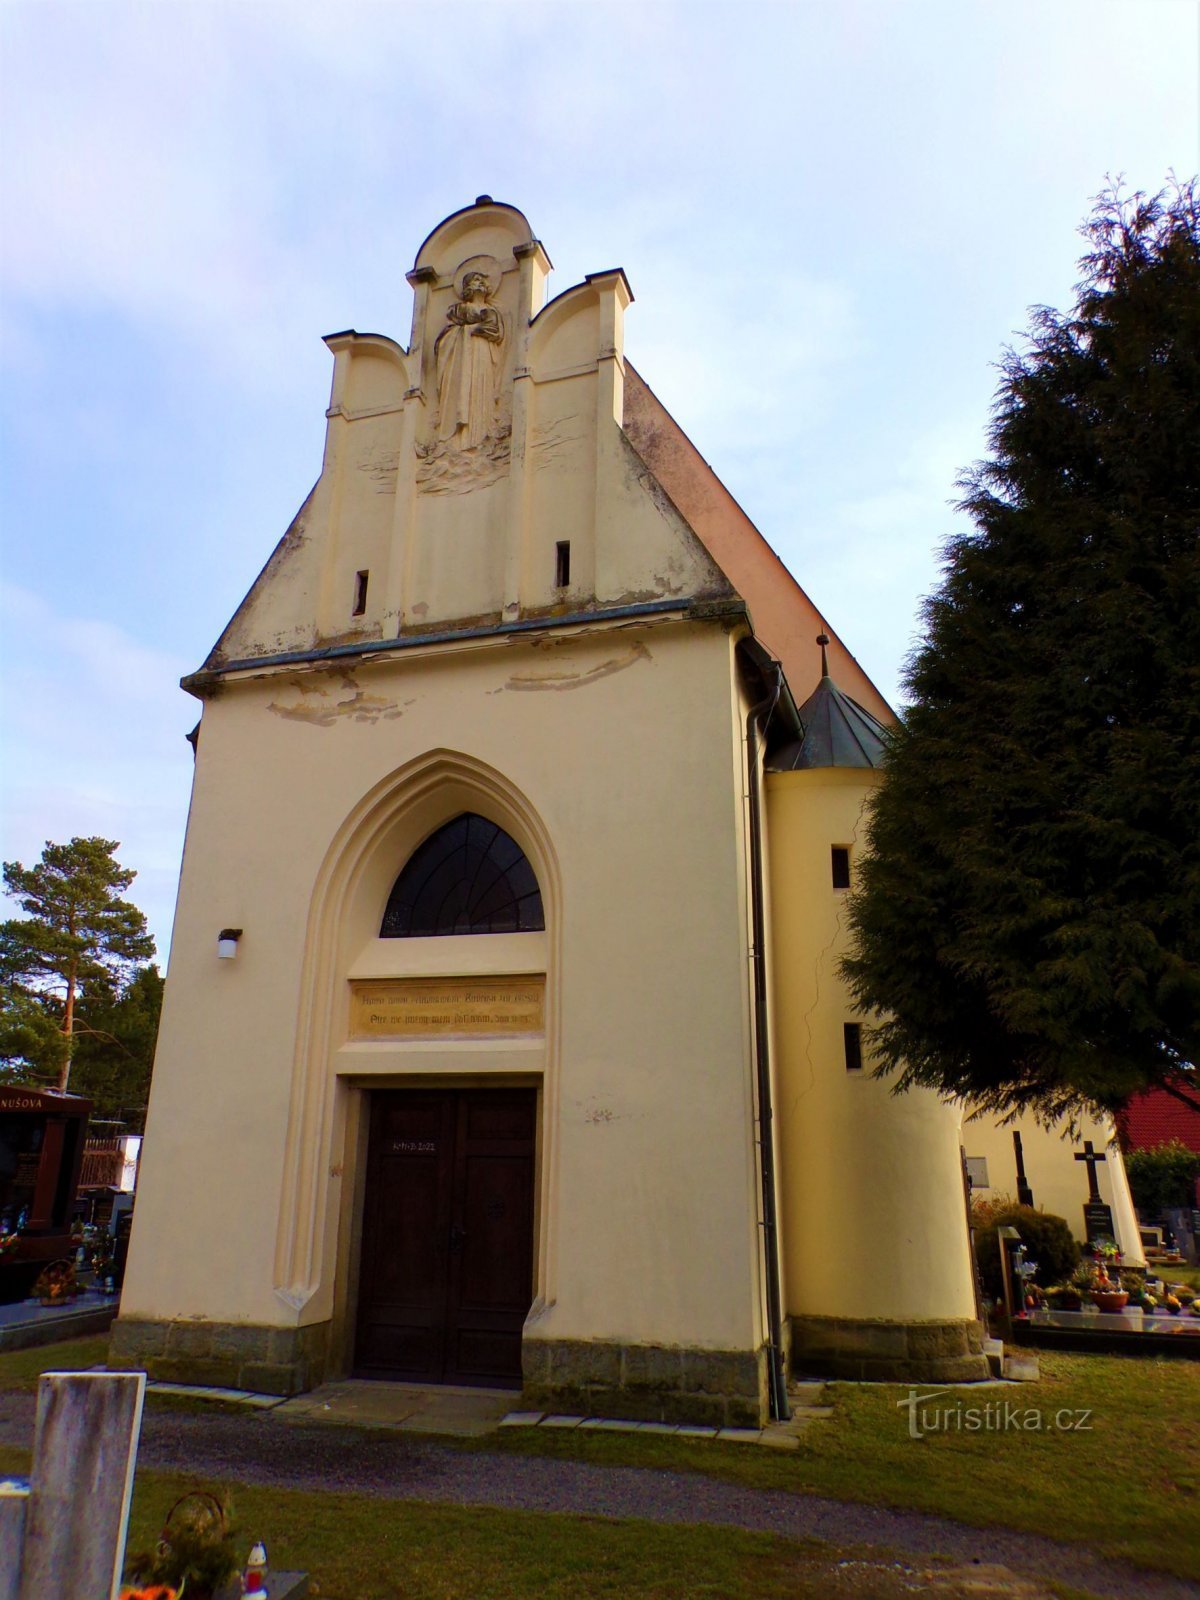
(468,877)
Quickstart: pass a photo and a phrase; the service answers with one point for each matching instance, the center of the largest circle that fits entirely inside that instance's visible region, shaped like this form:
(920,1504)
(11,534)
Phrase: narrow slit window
(841,867)
(852,1034)
(361,579)
(562,563)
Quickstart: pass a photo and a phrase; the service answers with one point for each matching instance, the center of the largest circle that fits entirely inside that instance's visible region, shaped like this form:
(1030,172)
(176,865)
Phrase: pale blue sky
(833,217)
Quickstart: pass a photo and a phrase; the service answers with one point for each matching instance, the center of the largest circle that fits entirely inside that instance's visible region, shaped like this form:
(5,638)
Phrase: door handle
(457,1239)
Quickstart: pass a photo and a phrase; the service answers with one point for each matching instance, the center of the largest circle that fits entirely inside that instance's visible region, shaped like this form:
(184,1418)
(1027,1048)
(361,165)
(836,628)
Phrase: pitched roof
(785,618)
(838,732)
(1155,1118)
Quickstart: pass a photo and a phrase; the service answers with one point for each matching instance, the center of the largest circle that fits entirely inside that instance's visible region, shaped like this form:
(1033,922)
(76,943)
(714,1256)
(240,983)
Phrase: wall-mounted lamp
(227,943)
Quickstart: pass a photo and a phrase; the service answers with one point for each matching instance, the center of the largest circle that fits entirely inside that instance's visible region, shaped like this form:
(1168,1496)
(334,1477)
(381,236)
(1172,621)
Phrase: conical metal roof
(838,732)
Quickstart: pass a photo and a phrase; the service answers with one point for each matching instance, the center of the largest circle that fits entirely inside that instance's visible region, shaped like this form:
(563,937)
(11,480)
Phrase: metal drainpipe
(780,1409)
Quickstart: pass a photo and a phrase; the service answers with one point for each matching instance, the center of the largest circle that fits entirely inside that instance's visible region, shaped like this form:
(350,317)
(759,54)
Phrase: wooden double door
(446,1272)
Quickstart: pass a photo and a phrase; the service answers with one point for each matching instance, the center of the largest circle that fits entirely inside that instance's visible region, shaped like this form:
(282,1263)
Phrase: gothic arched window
(468,877)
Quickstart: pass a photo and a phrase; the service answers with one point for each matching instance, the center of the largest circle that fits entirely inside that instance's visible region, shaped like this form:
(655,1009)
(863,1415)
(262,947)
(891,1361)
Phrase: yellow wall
(306,806)
(1058,1181)
(874,1218)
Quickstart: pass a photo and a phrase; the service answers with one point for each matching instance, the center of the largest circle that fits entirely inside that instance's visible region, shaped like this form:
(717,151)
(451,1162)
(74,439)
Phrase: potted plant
(195,1553)
(1083,1281)
(1110,1297)
(1106,1288)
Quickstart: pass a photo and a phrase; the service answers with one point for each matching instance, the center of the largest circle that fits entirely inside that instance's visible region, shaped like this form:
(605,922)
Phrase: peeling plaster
(578,680)
(321,705)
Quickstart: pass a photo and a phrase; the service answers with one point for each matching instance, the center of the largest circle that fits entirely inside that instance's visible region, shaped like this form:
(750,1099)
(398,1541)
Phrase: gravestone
(84,1449)
(1097,1217)
(14,1498)
(1098,1221)
(1024,1192)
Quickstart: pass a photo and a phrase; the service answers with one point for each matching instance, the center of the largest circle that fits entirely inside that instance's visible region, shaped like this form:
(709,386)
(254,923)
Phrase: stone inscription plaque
(423,1008)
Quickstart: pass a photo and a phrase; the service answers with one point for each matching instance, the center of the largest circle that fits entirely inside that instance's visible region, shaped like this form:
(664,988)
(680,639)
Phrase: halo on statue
(487,266)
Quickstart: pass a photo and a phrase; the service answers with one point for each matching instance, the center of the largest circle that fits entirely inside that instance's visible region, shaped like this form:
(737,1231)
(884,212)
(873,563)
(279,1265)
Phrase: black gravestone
(1098,1221)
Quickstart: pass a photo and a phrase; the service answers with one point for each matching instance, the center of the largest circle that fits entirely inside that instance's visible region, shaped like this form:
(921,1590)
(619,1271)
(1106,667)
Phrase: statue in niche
(468,356)
(469,441)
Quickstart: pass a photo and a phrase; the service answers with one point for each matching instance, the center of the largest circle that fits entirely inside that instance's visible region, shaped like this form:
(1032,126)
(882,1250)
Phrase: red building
(1155,1118)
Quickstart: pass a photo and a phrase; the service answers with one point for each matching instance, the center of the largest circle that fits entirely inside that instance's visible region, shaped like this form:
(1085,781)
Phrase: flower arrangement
(195,1553)
(9,1243)
(56,1283)
(1106,1288)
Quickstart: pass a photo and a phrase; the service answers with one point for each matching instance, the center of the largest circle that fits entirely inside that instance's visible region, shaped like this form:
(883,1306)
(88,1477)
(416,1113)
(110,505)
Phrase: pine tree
(116,1031)
(76,930)
(1027,930)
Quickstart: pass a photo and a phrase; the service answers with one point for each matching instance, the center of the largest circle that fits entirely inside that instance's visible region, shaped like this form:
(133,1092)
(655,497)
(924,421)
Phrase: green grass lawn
(20,1369)
(360,1549)
(354,1548)
(1128,1485)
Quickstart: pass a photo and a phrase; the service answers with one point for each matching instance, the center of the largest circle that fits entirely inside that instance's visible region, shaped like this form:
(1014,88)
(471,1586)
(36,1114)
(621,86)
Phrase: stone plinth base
(228,1355)
(889,1352)
(646,1383)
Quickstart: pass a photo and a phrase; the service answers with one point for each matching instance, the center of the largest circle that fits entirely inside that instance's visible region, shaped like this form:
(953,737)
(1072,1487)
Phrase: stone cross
(1024,1192)
(66,1537)
(1091,1156)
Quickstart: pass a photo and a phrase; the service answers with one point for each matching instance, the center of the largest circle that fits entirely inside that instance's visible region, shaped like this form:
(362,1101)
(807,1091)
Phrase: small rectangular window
(360,593)
(562,563)
(841,867)
(852,1033)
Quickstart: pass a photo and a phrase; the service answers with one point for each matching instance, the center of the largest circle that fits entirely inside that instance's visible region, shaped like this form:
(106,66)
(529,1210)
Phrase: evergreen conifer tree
(76,929)
(1027,929)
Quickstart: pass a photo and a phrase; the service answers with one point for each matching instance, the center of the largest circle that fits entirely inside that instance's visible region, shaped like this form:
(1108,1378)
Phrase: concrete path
(260,1448)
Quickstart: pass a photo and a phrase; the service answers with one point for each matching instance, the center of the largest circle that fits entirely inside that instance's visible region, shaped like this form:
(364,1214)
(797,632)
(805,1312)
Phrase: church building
(503,1041)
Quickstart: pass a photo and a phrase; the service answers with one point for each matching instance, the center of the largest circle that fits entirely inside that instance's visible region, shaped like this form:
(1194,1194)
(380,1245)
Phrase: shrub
(1047,1239)
(1162,1177)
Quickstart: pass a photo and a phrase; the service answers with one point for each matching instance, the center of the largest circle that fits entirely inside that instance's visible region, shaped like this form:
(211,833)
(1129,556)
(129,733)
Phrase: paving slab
(204,1391)
(522,1419)
(1021,1369)
(408,1407)
(280,1586)
(740,1435)
(560,1422)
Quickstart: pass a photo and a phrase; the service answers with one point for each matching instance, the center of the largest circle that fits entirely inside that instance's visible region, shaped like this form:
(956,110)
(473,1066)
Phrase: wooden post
(84,1450)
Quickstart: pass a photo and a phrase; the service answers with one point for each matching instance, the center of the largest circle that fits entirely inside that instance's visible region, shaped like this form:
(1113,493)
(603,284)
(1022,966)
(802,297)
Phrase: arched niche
(343,943)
